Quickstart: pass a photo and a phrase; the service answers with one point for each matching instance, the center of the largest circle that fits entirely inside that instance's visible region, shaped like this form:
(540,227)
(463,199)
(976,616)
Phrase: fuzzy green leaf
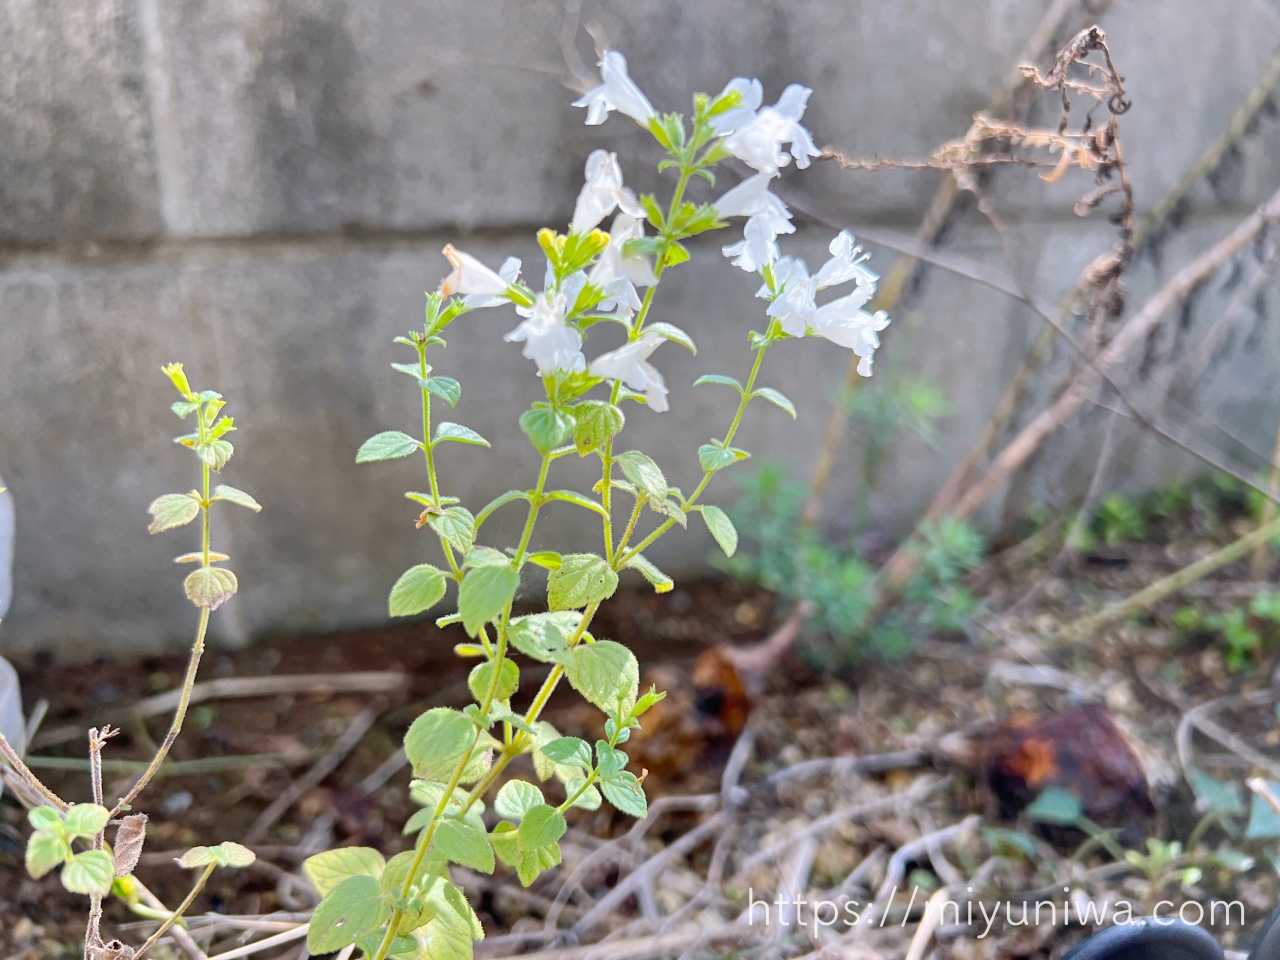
(605,673)
(225,854)
(327,870)
(456,527)
(446,388)
(595,423)
(661,582)
(546,427)
(215,453)
(777,399)
(90,872)
(721,528)
(85,820)
(457,432)
(569,751)
(482,675)
(583,578)
(354,908)
(210,587)
(485,593)
(626,793)
(238,497)
(673,333)
(644,473)
(720,379)
(172,510)
(578,500)
(516,798)
(541,826)
(388,445)
(45,850)
(713,457)
(437,742)
(542,636)
(464,844)
(419,588)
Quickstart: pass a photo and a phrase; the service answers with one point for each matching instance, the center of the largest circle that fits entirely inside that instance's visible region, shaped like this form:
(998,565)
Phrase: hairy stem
(173,918)
(15,761)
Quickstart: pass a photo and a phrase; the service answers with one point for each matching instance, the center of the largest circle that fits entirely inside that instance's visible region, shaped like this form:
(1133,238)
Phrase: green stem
(173,917)
(197,647)
(631,525)
(624,559)
(429,450)
(424,841)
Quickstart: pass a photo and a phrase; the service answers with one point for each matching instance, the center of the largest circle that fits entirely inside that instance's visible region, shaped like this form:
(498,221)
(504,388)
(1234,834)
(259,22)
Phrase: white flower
(602,193)
(509,272)
(842,321)
(757,139)
(470,276)
(618,275)
(767,217)
(751,95)
(630,365)
(548,340)
(617,92)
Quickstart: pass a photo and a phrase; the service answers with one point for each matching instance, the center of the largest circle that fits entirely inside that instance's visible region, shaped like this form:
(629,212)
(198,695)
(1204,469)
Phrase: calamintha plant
(71,837)
(408,906)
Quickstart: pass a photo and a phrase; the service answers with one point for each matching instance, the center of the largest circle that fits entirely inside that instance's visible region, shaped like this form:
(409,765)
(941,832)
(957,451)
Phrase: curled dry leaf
(111,950)
(130,836)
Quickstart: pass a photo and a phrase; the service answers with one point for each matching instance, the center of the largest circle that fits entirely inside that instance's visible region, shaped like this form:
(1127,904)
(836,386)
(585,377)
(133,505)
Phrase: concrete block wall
(261,188)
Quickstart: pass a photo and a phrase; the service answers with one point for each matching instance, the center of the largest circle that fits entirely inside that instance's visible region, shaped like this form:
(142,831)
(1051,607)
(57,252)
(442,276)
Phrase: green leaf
(595,423)
(462,843)
(1264,824)
(210,587)
(353,909)
(45,850)
(721,528)
(409,369)
(437,742)
(238,497)
(546,427)
(534,861)
(605,673)
(482,674)
(184,408)
(626,793)
(673,333)
(89,872)
(457,432)
(516,798)
(589,799)
(583,578)
(1212,794)
(720,379)
(388,445)
(569,751)
(542,636)
(541,826)
(713,457)
(509,497)
(225,854)
(419,588)
(439,940)
(661,582)
(327,870)
(644,473)
(578,500)
(485,593)
(777,399)
(611,760)
(456,527)
(446,388)
(1056,806)
(45,818)
(172,510)
(85,820)
(215,453)
(548,559)
(485,557)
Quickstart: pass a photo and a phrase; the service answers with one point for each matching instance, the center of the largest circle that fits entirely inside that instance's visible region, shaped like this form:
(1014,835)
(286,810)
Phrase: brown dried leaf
(130,836)
(112,950)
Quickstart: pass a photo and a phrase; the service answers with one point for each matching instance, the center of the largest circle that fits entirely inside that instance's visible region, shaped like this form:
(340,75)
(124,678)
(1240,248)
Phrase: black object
(1153,939)
(1149,939)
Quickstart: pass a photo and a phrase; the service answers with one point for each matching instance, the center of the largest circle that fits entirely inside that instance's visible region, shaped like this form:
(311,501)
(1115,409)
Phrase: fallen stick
(227,688)
(312,778)
(1155,592)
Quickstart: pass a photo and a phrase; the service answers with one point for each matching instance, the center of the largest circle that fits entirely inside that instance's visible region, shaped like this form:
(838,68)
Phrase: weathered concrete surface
(291,169)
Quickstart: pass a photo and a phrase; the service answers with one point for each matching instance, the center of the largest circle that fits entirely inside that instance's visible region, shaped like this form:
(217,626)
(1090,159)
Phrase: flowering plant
(409,906)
